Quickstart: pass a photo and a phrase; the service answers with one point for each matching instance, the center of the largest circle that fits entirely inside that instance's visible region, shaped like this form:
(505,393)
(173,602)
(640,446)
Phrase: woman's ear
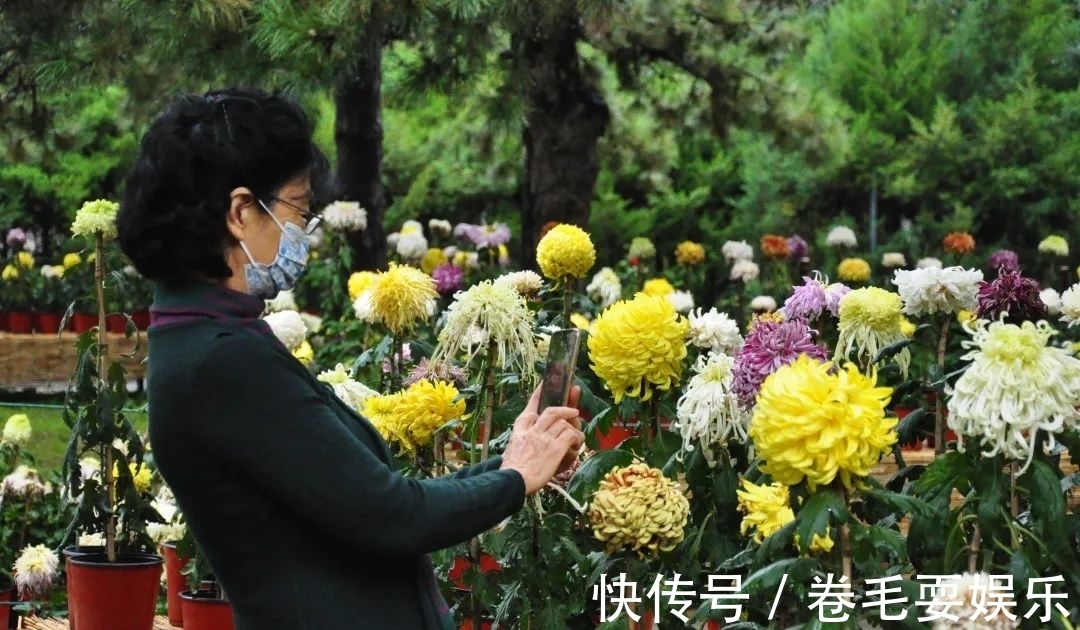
(239,218)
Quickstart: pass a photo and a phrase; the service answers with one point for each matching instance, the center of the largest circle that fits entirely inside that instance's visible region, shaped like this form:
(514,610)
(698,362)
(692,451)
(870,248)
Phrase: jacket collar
(179,303)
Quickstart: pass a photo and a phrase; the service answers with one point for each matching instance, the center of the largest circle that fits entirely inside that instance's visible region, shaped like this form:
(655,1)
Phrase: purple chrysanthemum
(806,301)
(484,235)
(426,370)
(448,279)
(1004,260)
(833,294)
(769,346)
(797,247)
(1013,296)
(16,237)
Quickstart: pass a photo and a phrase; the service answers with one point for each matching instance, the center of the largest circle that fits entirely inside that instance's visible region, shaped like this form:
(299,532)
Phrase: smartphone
(559,372)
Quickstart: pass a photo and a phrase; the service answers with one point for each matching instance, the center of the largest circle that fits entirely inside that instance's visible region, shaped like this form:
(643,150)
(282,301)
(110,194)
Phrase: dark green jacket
(293,496)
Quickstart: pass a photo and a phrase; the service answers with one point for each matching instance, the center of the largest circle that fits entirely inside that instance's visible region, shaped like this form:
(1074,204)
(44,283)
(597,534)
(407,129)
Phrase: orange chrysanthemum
(774,246)
(958,243)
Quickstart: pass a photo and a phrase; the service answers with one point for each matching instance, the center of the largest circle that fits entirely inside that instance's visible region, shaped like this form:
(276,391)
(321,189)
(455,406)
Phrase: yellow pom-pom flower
(966,317)
(10,272)
(639,345)
(869,321)
(853,270)
(141,476)
(360,281)
(401,296)
(96,217)
(689,253)
(637,508)
(72,260)
(566,251)
(434,257)
(24,260)
(815,422)
(17,429)
(658,287)
(907,328)
(304,353)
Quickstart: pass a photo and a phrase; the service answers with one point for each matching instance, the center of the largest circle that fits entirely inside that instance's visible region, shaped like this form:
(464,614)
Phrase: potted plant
(116,589)
(16,277)
(204,604)
(49,299)
(171,538)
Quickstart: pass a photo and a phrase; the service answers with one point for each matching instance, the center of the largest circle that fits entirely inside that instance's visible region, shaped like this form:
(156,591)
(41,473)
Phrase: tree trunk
(358,135)
(565,118)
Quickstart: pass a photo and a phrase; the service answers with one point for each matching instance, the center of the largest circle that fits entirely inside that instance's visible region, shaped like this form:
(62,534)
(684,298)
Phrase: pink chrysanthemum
(1013,296)
(768,346)
(1004,260)
(448,279)
(484,235)
(797,247)
(813,298)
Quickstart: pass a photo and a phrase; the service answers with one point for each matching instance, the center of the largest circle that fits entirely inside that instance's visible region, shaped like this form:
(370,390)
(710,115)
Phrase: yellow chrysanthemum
(359,282)
(96,217)
(638,345)
(72,260)
(841,429)
(434,257)
(17,429)
(141,476)
(966,317)
(658,287)
(907,328)
(24,260)
(775,316)
(11,272)
(869,321)
(580,321)
(853,270)
(304,353)
(411,417)
(636,507)
(768,508)
(401,296)
(565,251)
(689,253)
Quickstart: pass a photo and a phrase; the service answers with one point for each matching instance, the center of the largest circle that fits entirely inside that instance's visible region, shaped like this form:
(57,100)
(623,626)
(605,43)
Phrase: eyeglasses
(313,220)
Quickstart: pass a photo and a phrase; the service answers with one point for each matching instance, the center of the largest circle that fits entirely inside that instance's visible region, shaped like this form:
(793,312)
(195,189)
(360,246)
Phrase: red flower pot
(47,323)
(20,323)
(116,323)
(488,564)
(7,600)
(3,321)
(82,322)
(615,435)
(485,624)
(174,583)
(141,319)
(120,595)
(70,552)
(205,613)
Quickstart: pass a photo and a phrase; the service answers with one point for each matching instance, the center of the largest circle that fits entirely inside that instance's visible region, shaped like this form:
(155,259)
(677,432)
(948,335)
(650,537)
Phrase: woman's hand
(543,445)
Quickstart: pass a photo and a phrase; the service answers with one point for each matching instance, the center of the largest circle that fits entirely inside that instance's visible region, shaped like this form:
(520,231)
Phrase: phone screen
(559,373)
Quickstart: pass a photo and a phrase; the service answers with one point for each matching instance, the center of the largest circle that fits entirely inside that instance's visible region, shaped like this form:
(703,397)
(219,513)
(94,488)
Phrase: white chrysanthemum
(472,260)
(714,330)
(524,282)
(162,533)
(392,239)
(605,287)
(283,301)
(1051,299)
(289,327)
(362,306)
(502,314)
(35,570)
(965,597)
(763,303)
(735,251)
(50,272)
(22,482)
(17,429)
(411,246)
(932,290)
(96,217)
(928,262)
(412,226)
(841,236)
(683,301)
(709,413)
(313,322)
(441,227)
(352,392)
(89,468)
(893,259)
(166,509)
(1016,385)
(96,539)
(345,216)
(745,270)
(1070,305)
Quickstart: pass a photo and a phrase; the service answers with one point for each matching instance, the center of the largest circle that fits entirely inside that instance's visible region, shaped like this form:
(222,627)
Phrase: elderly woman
(290,494)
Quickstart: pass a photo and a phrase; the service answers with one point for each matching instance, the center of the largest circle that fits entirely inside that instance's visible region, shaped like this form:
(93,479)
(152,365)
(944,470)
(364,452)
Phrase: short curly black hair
(172,217)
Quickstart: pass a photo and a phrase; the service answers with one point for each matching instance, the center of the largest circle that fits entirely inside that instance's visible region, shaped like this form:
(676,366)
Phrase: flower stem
(939,410)
(489,399)
(845,543)
(568,293)
(102,357)
(1014,502)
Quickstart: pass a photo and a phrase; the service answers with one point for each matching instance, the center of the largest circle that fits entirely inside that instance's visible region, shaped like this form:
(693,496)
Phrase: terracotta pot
(202,612)
(116,323)
(82,322)
(70,552)
(174,582)
(8,598)
(3,321)
(20,323)
(141,319)
(485,624)
(47,323)
(119,595)
(488,564)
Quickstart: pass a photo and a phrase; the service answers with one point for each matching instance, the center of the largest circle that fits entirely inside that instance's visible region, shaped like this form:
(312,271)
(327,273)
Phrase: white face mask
(266,281)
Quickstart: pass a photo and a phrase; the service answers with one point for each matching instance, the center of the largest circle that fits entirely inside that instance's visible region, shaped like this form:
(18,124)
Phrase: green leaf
(892,350)
(587,478)
(900,503)
(824,507)
(908,427)
(770,576)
